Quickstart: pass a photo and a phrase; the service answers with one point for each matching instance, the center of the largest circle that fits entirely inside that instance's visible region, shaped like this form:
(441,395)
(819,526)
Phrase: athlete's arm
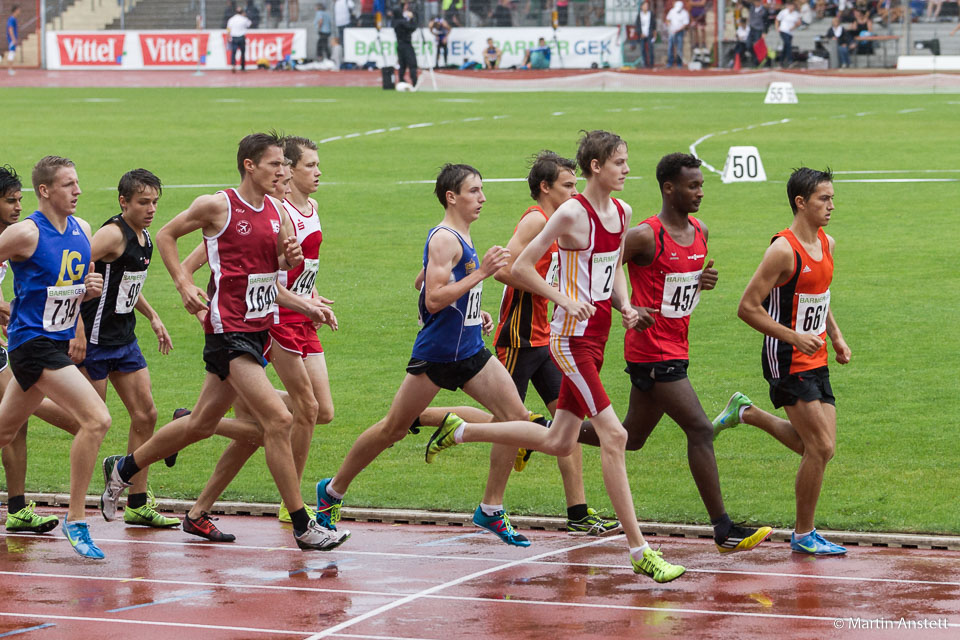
(93,281)
(310,307)
(19,241)
(77,347)
(148,312)
(709,277)
(443,253)
(639,246)
(107,244)
(620,296)
(418,281)
(197,258)
(207,213)
(777,265)
(527,230)
(289,253)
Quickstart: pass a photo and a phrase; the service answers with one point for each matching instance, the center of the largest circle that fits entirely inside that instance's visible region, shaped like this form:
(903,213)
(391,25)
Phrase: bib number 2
(604,268)
(261,295)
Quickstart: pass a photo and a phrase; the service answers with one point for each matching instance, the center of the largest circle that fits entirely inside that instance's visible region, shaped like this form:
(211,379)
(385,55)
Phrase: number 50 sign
(743,165)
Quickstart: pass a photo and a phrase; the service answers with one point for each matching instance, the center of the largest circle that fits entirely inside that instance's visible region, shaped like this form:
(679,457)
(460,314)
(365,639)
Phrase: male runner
(448,352)
(121,250)
(788,300)
(589,230)
(248,241)
(665,256)
(49,254)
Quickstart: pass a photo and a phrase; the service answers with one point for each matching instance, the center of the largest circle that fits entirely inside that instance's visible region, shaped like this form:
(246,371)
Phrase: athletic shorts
(698,15)
(33,356)
(532,364)
(102,361)
(643,375)
(297,337)
(450,375)
(220,349)
(580,360)
(3,358)
(807,386)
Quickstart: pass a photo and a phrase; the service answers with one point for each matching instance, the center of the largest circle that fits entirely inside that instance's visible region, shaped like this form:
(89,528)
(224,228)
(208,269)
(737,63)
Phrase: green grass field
(897,459)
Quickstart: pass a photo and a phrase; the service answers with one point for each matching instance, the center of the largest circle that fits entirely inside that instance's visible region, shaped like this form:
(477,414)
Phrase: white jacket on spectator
(677,18)
(342,10)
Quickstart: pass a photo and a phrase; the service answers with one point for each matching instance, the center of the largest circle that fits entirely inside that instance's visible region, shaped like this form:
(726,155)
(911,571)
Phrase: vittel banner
(167,49)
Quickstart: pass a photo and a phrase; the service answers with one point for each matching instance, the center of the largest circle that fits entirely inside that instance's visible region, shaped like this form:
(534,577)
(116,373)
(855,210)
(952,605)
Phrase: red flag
(760,49)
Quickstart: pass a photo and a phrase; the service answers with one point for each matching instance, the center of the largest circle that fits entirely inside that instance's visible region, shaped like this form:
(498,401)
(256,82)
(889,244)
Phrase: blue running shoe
(499,523)
(814,544)
(328,507)
(79,536)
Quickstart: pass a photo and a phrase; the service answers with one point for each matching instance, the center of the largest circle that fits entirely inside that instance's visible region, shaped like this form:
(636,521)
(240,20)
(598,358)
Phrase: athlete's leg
(295,377)
(133,389)
(317,369)
(414,395)
(15,464)
(571,470)
(816,423)
(228,466)
(777,427)
(433,416)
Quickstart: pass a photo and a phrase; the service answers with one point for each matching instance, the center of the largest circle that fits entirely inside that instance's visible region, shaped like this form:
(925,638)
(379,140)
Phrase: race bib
(681,293)
(553,271)
(261,294)
(62,307)
(604,268)
(130,287)
(812,312)
(303,285)
(472,317)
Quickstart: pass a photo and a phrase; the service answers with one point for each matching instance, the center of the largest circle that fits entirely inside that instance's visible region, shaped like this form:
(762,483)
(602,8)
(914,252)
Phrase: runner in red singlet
(788,300)
(589,230)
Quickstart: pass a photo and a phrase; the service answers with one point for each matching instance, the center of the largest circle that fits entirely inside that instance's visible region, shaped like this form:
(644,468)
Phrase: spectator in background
(237,28)
(807,14)
(451,12)
(757,23)
(563,12)
(698,24)
(293,6)
(441,31)
(787,21)
(863,26)
(274,13)
(228,12)
(743,37)
(253,14)
(844,38)
(647,32)
(342,16)
(491,55)
(13,37)
(404,25)
(538,57)
(933,10)
(501,16)
(323,22)
(677,22)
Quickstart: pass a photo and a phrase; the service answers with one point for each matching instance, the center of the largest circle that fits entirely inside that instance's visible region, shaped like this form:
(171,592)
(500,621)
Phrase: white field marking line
(182,625)
(418,125)
(693,147)
(329,631)
(911,110)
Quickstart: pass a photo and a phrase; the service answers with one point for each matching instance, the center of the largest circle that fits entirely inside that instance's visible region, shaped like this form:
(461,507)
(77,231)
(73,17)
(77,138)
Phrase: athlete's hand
(629,316)
(194,299)
(93,281)
(579,310)
(495,257)
(321,314)
(4,313)
(163,338)
(709,277)
(292,252)
(843,351)
(487,322)
(77,349)
(320,298)
(201,315)
(807,344)
(645,318)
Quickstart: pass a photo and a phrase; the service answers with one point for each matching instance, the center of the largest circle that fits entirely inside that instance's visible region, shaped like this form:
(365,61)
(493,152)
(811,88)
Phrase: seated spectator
(807,15)
(491,55)
(933,10)
(844,38)
(538,57)
(863,26)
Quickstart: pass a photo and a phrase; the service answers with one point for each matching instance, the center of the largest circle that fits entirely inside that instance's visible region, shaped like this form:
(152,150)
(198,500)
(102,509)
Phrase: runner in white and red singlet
(589,230)
(248,241)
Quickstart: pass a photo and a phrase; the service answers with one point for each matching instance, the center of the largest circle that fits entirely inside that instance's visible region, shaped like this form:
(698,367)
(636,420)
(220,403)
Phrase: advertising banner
(570,47)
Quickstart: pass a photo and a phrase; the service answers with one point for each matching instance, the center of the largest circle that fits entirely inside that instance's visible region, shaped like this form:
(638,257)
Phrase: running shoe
(171,459)
(204,527)
(319,538)
(652,564)
(30,521)
(814,544)
(78,534)
(113,487)
(592,525)
(148,516)
(283,515)
(442,438)
(523,455)
(499,523)
(328,507)
(730,416)
(742,539)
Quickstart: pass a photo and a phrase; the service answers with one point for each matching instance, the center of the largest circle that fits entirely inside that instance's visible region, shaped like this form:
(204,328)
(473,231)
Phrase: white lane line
(329,631)
(318,100)
(910,110)
(419,125)
(182,625)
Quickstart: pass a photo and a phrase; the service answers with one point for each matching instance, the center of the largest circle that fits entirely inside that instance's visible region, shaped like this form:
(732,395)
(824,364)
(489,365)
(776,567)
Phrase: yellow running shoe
(652,564)
(742,539)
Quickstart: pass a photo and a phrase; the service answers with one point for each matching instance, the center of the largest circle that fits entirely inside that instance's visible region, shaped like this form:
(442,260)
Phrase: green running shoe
(283,515)
(656,567)
(148,516)
(592,525)
(730,416)
(442,438)
(29,520)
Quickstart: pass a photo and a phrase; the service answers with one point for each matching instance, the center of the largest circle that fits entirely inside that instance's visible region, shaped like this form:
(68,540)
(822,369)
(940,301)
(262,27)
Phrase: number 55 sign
(743,165)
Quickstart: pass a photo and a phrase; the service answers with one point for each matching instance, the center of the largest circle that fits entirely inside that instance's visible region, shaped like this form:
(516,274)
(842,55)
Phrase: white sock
(742,409)
(458,434)
(490,509)
(333,494)
(802,535)
(637,552)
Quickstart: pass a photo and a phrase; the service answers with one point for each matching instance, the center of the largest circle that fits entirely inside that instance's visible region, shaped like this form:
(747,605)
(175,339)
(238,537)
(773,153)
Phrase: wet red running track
(439,582)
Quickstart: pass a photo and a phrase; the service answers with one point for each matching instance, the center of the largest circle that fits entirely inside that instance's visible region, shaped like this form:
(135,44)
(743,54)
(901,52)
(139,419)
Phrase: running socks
(721,527)
(136,500)
(127,467)
(300,520)
(577,512)
(16,503)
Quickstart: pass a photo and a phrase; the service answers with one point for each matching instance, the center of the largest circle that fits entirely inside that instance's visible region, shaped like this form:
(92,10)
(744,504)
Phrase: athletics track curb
(543,523)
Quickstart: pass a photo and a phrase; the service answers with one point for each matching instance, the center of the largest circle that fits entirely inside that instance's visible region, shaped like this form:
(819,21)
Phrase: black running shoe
(204,527)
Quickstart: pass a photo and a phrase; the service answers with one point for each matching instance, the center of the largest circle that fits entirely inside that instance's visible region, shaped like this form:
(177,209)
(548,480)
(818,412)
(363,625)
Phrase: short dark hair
(671,165)
(596,145)
(46,170)
(546,167)
(253,146)
(14,8)
(135,181)
(9,181)
(451,178)
(293,147)
(803,182)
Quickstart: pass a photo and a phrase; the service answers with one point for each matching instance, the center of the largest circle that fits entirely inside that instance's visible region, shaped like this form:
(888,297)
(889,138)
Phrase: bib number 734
(62,307)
